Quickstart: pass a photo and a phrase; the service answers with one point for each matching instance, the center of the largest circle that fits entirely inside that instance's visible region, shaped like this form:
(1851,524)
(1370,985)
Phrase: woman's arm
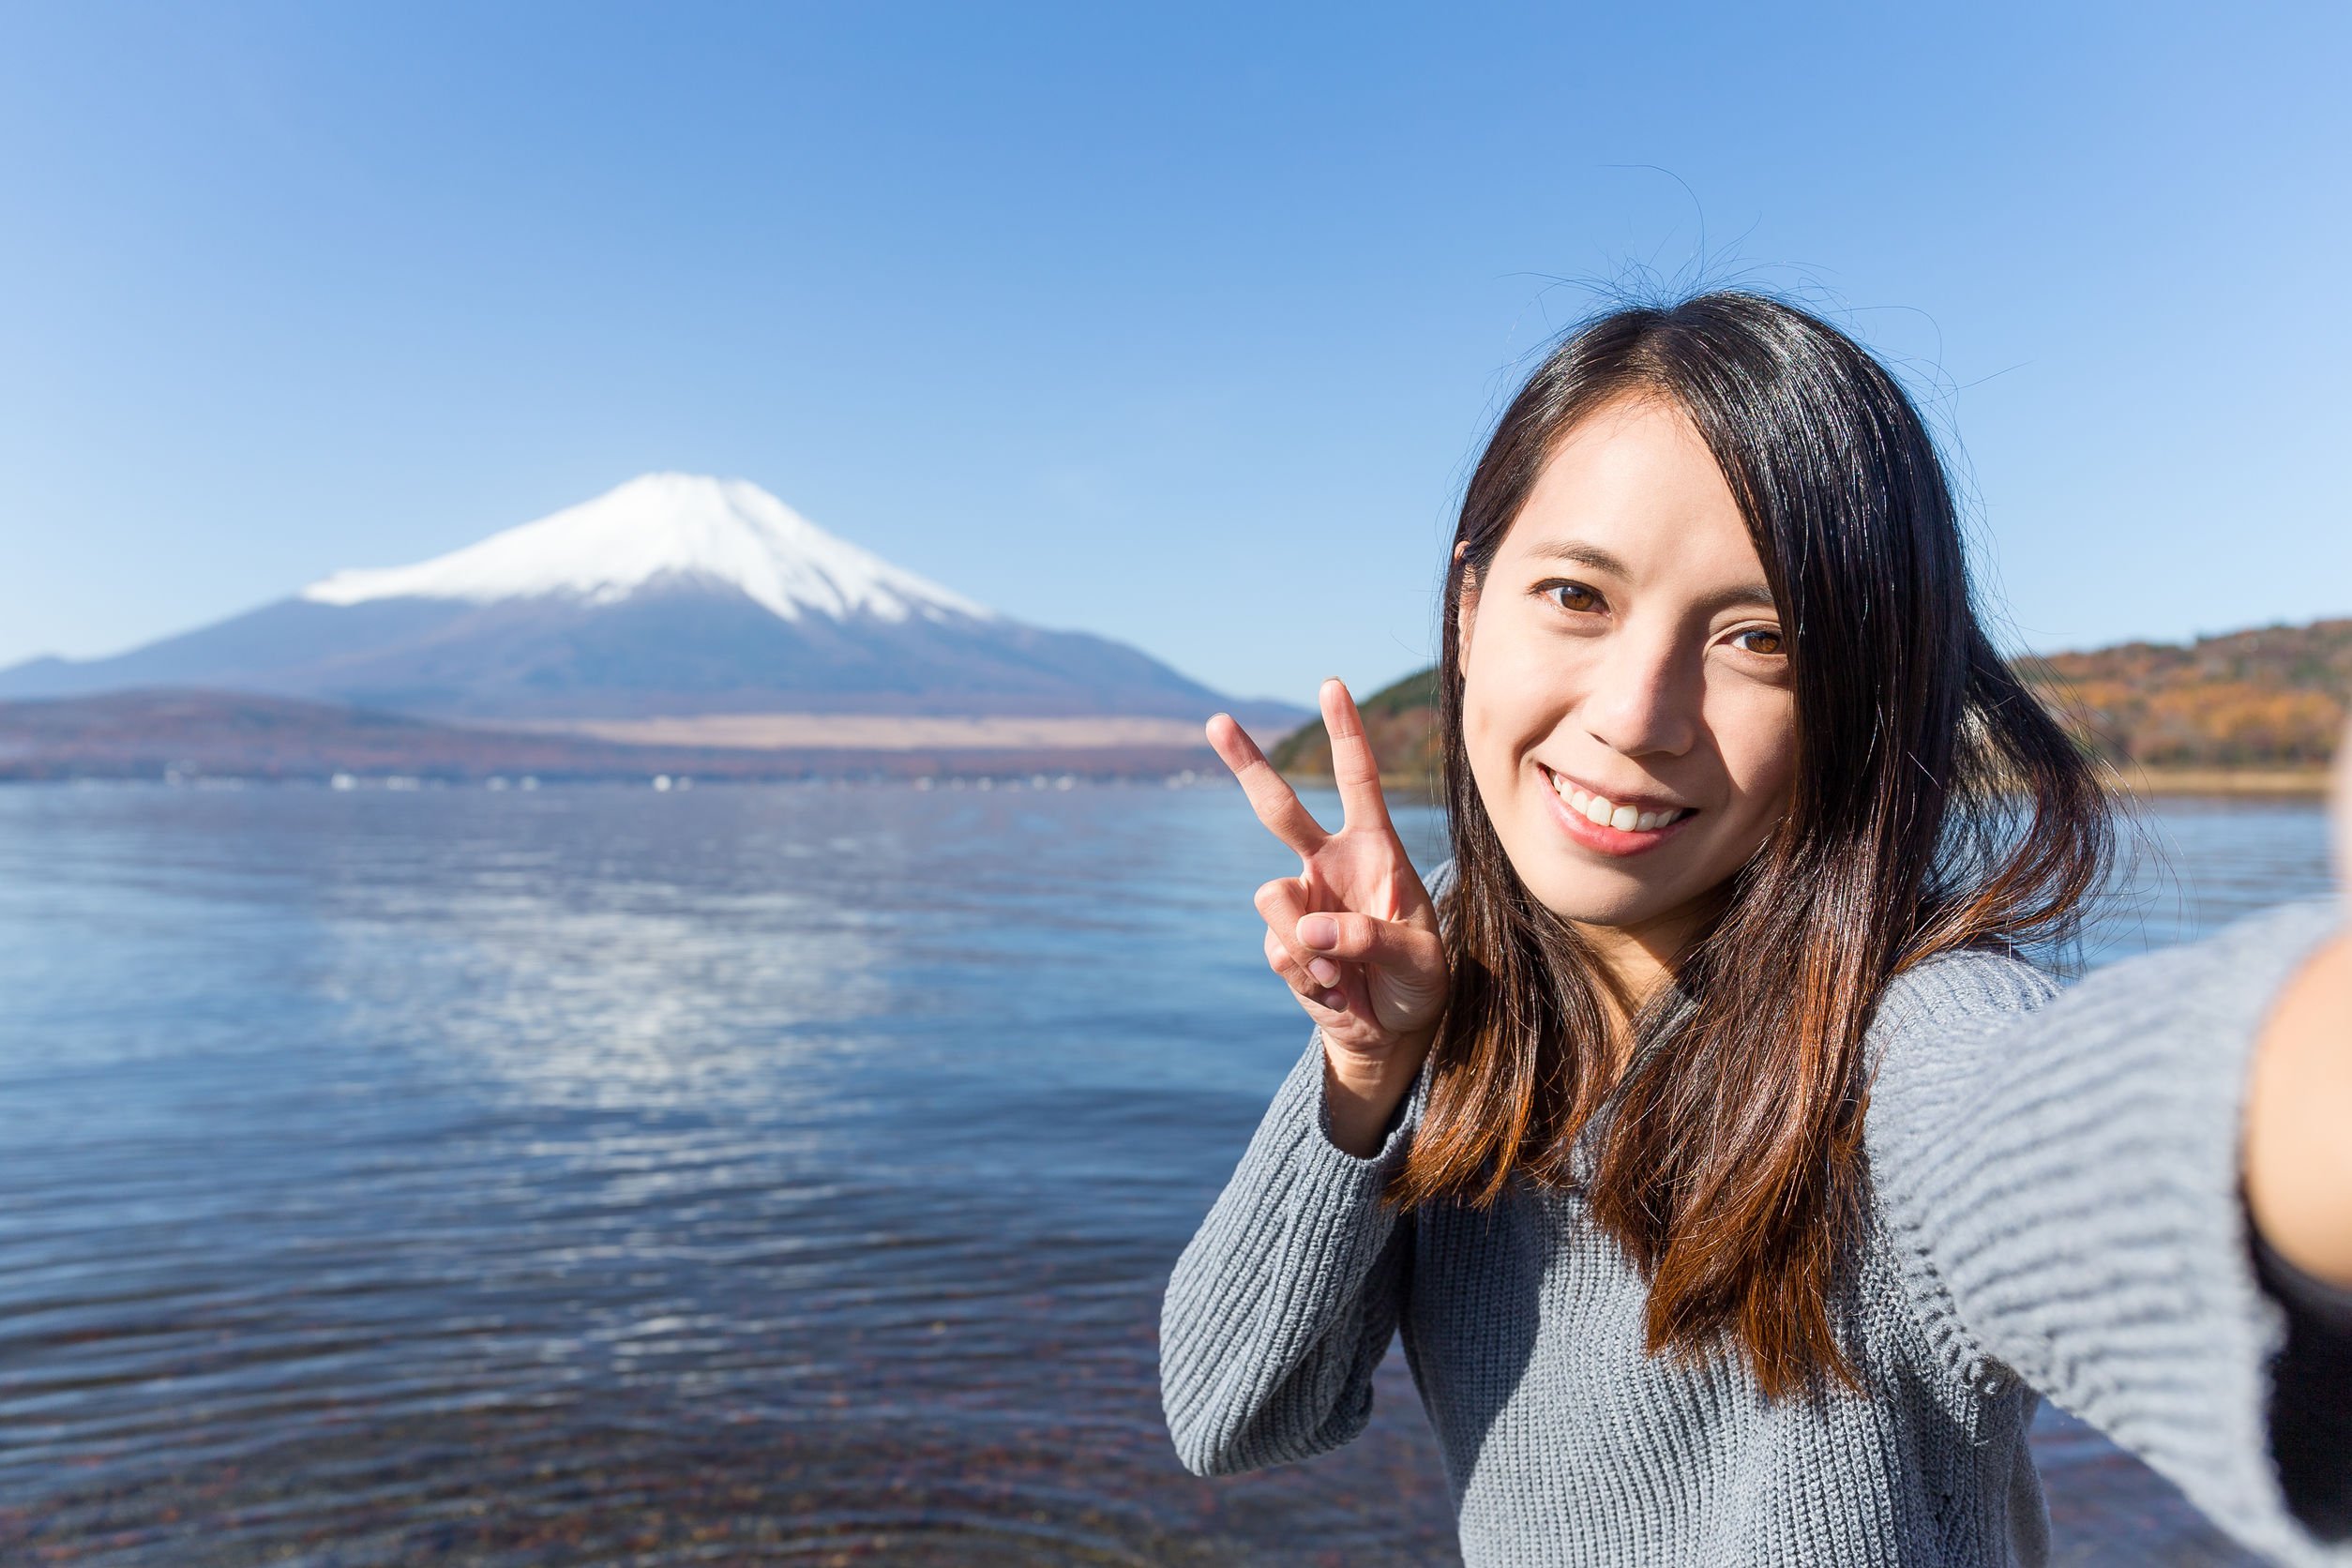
(1285,1300)
(2298,1101)
(2064,1178)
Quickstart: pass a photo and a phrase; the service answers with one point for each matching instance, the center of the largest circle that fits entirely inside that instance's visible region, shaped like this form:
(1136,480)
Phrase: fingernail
(1325,972)
(1318,931)
(1335,1001)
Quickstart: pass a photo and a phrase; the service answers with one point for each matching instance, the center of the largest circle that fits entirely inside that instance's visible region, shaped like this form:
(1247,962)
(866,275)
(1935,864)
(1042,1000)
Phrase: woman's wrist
(1362,1091)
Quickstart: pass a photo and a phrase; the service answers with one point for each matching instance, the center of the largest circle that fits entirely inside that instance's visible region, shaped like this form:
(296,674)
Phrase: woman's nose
(1645,701)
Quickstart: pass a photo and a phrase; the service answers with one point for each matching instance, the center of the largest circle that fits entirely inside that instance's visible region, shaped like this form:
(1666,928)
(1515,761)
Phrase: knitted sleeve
(1285,1300)
(2311,1407)
(2063,1175)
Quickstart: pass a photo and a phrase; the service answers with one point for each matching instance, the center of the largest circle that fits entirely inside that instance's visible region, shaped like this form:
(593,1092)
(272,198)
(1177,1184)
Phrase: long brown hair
(1937,805)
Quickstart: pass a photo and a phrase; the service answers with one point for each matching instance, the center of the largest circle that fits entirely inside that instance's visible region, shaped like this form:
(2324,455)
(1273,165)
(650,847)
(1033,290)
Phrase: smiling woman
(1736,1189)
(1810,796)
(1630,592)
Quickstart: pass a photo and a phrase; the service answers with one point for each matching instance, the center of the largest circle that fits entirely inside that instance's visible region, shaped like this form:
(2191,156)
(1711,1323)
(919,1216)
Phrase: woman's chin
(1592,889)
(1603,895)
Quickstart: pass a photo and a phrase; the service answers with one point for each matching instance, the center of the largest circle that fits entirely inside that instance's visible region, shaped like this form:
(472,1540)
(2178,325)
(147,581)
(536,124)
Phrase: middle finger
(1277,804)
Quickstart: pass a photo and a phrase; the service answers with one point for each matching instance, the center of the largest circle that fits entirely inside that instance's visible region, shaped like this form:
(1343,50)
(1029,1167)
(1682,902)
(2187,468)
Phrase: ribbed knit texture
(2055,1212)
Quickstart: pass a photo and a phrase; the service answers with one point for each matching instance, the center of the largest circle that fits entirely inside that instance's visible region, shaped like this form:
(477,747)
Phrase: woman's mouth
(1611,826)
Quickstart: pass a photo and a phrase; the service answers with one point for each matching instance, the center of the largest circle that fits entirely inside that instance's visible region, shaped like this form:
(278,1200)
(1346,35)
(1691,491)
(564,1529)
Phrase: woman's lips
(1592,819)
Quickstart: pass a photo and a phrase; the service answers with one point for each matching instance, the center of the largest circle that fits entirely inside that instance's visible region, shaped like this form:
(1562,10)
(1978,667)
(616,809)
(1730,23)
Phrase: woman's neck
(1633,961)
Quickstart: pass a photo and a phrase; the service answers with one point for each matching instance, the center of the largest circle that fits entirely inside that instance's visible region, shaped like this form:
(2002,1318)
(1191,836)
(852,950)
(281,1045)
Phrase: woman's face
(1626,700)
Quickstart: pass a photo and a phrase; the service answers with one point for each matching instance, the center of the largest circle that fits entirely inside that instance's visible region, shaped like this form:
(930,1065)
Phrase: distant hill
(1400,720)
(211,734)
(672,595)
(2275,698)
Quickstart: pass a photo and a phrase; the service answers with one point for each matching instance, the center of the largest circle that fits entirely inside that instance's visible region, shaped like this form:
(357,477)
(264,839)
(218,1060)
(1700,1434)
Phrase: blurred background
(616,943)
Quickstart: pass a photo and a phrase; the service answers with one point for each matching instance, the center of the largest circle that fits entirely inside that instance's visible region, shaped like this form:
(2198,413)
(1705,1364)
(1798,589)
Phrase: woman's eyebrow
(1582,554)
(1754,595)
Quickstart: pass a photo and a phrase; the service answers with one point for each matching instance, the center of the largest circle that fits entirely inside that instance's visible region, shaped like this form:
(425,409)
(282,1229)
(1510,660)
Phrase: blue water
(752,1174)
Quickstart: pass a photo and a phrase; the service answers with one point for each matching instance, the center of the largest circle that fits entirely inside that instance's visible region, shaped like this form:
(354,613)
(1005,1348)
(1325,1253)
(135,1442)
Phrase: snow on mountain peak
(659,524)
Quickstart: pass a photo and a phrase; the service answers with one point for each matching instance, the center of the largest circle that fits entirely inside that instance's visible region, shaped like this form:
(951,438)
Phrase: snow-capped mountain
(673,595)
(667,525)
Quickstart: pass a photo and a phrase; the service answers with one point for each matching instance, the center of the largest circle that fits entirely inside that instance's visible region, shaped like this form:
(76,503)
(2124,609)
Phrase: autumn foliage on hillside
(1401,722)
(2272,698)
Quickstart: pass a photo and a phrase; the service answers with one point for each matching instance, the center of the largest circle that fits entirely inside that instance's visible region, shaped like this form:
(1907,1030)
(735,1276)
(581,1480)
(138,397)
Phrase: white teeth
(1606,812)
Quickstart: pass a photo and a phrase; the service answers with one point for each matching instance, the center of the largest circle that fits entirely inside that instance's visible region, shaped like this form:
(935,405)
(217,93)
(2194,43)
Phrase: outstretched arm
(2062,1177)
(2074,1179)
(2298,1098)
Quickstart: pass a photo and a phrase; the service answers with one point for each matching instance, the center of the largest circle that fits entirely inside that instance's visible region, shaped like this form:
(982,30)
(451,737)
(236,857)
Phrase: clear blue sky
(1178,324)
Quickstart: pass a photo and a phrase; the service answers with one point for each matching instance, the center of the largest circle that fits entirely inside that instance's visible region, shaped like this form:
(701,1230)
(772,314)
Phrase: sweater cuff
(1395,1141)
(2311,1415)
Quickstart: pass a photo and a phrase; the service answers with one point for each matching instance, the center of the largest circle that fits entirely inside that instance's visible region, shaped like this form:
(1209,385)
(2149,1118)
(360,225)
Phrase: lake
(598,1175)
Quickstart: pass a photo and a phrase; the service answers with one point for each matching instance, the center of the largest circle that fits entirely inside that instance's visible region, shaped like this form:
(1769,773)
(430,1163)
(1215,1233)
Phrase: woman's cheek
(1508,697)
(1757,734)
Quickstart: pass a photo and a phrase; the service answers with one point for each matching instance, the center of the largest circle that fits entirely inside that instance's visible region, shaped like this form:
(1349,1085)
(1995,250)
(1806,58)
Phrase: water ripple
(754,1175)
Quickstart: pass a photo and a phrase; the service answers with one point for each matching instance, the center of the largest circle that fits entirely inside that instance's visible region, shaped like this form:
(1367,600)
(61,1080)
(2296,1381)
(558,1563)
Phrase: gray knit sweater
(2055,1212)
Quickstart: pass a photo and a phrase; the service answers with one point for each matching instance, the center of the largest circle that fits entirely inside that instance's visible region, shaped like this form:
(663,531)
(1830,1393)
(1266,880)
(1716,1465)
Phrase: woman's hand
(2298,1163)
(1354,934)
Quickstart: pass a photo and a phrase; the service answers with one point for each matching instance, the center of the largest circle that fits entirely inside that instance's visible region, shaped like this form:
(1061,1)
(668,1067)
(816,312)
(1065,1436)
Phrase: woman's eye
(1759,639)
(1573,595)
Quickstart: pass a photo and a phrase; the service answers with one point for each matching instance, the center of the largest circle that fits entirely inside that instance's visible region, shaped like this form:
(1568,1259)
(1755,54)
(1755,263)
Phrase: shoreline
(2227,783)
(2260,783)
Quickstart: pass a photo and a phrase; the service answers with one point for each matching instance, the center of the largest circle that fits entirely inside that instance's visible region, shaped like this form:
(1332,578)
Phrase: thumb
(1360,939)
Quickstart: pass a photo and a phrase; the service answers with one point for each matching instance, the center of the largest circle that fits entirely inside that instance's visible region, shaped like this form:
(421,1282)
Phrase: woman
(1736,1191)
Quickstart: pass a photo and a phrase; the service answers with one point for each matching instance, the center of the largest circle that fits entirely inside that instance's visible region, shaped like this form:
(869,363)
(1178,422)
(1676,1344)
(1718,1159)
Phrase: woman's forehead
(1632,492)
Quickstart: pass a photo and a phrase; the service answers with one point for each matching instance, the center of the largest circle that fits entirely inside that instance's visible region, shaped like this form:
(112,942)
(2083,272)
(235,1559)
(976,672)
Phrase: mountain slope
(673,595)
(2270,697)
(1400,720)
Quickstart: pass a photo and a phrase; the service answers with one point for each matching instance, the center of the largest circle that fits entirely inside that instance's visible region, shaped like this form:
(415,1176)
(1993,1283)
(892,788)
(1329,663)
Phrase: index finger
(1353,767)
(1277,805)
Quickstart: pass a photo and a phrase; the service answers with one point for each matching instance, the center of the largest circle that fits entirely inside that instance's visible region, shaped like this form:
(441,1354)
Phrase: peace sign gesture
(1354,934)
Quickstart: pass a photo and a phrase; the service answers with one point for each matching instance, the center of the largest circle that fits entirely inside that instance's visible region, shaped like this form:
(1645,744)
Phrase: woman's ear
(1465,604)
